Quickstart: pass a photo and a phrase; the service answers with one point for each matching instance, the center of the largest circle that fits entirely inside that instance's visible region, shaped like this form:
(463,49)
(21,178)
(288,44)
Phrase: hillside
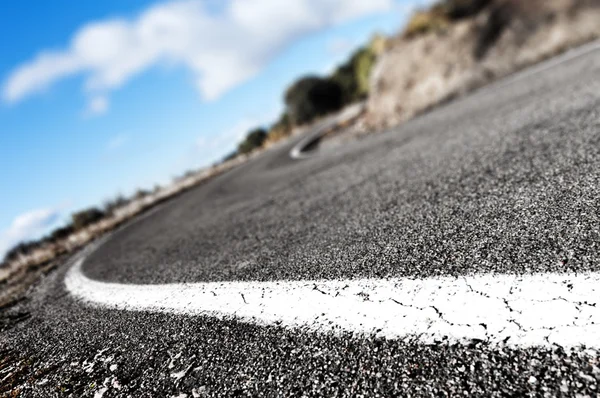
(443,53)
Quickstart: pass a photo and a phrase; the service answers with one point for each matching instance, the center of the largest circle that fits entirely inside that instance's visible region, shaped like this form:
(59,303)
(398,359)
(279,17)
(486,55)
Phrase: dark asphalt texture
(505,180)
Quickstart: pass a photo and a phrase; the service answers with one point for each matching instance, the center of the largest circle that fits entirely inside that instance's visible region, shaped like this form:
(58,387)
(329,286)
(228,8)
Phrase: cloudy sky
(101,97)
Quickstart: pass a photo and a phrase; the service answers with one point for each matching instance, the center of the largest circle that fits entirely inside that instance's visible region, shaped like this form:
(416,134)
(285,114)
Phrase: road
(501,182)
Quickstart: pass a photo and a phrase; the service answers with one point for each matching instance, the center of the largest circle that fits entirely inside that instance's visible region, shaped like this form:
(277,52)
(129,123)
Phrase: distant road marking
(299,150)
(529,310)
(350,112)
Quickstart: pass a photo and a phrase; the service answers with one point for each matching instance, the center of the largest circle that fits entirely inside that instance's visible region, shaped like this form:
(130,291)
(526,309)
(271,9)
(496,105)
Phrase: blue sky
(102,97)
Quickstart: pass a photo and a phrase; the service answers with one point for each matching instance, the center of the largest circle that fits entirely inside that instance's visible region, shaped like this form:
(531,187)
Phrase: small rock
(199,392)
(532,380)
(100,392)
(116,384)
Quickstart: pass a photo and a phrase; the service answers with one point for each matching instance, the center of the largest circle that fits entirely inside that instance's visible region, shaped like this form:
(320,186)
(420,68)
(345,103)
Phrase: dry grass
(425,22)
(276,135)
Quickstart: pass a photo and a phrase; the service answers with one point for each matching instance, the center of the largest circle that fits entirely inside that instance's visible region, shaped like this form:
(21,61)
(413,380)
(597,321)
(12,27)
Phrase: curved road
(505,181)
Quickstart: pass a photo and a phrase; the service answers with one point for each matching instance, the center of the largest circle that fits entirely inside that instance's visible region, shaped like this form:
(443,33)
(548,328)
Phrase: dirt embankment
(420,70)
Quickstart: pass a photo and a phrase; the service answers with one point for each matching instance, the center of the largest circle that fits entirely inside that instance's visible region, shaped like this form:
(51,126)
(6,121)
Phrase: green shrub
(423,22)
(311,97)
(230,156)
(353,76)
(21,249)
(113,204)
(254,140)
(86,217)
(142,193)
(61,233)
(459,9)
(438,17)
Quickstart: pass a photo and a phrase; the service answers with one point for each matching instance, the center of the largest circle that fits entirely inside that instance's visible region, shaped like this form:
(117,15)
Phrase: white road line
(348,113)
(528,310)
(299,150)
(531,310)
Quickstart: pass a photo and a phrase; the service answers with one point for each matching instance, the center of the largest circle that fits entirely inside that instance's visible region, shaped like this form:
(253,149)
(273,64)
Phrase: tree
(353,76)
(230,156)
(19,250)
(254,139)
(311,97)
(459,9)
(142,193)
(61,233)
(86,217)
(113,204)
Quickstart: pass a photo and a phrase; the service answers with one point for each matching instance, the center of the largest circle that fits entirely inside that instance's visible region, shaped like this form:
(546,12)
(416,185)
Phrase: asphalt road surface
(504,181)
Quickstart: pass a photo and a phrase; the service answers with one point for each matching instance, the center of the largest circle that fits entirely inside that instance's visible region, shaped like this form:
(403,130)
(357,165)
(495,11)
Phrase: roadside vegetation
(311,97)
(254,139)
(441,15)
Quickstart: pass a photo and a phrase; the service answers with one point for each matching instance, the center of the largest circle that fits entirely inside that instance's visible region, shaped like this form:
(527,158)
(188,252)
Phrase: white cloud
(117,142)
(221,49)
(27,226)
(97,106)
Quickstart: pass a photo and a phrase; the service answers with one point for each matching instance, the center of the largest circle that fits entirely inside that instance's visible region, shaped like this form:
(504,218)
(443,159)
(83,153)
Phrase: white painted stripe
(345,115)
(299,150)
(519,310)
